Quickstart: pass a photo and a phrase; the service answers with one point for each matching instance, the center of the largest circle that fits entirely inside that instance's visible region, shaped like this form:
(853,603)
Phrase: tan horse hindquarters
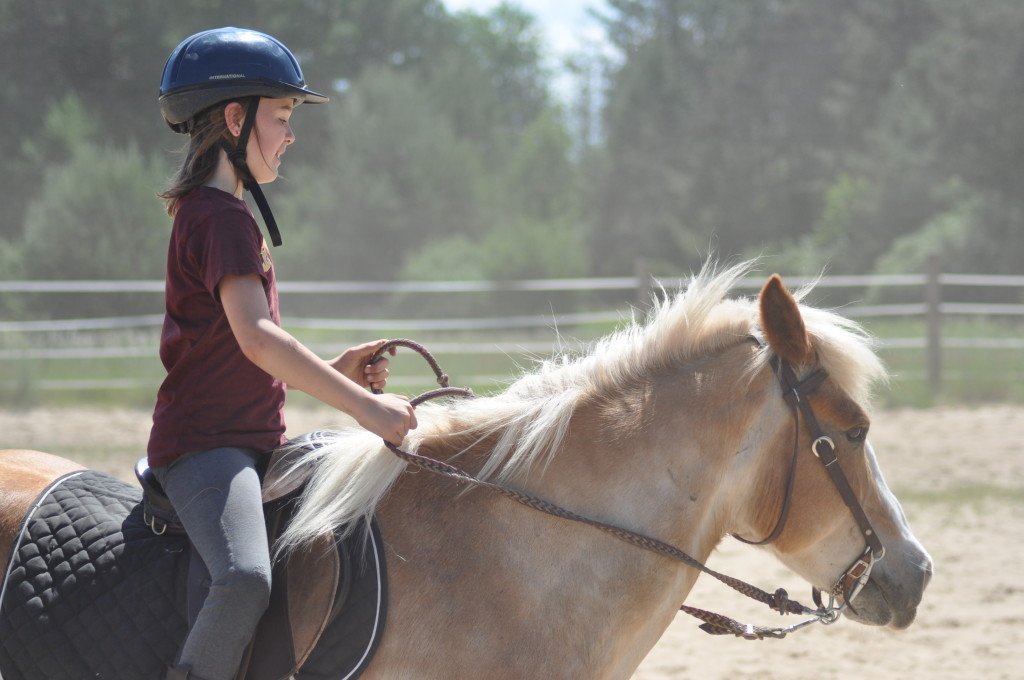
(23,475)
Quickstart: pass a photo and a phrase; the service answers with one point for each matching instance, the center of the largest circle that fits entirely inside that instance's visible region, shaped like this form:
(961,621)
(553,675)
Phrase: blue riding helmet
(231,64)
(225,64)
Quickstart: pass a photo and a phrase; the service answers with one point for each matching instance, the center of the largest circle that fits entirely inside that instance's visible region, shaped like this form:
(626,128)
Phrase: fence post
(643,283)
(933,302)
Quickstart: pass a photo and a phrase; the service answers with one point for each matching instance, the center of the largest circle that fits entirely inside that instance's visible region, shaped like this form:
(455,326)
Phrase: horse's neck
(670,456)
(658,459)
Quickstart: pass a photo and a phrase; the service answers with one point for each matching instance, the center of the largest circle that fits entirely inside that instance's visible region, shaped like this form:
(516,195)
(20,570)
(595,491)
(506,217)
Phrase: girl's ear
(234,116)
(783,327)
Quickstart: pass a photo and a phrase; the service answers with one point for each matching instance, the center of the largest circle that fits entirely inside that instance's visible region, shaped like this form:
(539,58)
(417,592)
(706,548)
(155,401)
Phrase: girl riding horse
(220,408)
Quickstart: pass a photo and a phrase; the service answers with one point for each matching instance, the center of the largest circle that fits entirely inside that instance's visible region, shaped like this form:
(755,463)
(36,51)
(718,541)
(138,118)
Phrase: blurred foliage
(396,174)
(829,130)
(857,136)
(97,218)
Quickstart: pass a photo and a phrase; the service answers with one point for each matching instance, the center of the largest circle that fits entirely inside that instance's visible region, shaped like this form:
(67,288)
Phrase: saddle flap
(301,603)
(313,586)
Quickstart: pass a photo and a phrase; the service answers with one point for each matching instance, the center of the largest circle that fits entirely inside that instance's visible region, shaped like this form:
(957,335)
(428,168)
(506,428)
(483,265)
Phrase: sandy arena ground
(958,471)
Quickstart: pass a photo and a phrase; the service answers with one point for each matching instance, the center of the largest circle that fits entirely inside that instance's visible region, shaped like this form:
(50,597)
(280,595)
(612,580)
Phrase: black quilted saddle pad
(91,591)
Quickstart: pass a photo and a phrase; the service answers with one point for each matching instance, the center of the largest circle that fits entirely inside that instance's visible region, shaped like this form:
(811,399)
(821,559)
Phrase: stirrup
(157,511)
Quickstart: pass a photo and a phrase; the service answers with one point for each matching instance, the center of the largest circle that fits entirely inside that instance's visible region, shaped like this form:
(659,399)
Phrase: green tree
(540,180)
(745,125)
(97,214)
(490,81)
(111,54)
(99,218)
(456,148)
(396,175)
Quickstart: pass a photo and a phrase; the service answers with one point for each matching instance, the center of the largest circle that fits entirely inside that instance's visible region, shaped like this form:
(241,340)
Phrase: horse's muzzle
(892,600)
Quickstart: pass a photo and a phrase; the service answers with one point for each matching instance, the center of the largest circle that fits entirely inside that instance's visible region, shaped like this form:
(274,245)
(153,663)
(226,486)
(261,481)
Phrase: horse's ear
(783,327)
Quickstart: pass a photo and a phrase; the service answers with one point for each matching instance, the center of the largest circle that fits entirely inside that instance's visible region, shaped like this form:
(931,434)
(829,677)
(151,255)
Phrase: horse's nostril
(926,567)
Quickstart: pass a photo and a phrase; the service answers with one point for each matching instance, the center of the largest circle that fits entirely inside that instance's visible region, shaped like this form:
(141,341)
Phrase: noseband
(795,393)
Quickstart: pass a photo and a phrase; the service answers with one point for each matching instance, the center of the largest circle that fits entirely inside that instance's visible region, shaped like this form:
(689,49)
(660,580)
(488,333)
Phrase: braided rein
(716,624)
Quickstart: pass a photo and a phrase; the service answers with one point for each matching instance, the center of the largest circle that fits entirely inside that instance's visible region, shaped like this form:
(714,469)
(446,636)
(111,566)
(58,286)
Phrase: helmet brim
(181,105)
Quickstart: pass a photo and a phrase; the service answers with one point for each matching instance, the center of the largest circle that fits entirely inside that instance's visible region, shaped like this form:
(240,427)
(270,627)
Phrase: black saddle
(100,585)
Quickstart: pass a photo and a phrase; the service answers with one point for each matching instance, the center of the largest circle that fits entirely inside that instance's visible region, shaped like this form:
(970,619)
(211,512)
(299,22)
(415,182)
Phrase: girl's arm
(278,353)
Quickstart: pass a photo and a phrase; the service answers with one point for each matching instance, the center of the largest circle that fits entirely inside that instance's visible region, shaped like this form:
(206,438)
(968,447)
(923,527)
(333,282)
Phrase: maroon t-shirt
(213,395)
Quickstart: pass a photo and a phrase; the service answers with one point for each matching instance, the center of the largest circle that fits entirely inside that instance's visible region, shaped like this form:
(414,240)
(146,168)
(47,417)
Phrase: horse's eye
(857,434)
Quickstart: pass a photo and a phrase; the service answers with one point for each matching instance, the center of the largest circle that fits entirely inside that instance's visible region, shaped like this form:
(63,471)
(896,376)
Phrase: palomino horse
(676,428)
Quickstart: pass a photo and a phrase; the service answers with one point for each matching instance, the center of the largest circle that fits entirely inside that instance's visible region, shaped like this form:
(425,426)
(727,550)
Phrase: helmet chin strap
(236,154)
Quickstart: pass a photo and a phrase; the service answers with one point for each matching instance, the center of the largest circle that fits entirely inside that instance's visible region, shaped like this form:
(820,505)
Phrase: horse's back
(23,475)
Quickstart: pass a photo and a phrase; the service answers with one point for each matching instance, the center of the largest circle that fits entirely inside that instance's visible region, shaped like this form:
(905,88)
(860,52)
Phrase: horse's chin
(872,608)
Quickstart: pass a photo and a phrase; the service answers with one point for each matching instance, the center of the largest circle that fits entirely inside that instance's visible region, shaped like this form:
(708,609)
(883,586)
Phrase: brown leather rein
(795,392)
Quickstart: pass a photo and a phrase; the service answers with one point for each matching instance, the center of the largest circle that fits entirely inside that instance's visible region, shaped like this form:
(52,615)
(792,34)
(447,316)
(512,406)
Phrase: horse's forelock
(847,352)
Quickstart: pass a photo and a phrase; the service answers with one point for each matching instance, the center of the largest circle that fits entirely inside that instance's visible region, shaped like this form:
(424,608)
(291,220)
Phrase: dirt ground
(958,471)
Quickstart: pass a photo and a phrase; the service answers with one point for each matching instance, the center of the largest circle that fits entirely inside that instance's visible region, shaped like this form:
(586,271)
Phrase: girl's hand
(354,364)
(389,416)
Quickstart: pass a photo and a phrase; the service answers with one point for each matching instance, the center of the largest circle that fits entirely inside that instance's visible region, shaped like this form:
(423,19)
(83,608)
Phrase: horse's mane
(529,420)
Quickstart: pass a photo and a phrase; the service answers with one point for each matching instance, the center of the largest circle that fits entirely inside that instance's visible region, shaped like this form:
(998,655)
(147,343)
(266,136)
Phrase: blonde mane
(530,419)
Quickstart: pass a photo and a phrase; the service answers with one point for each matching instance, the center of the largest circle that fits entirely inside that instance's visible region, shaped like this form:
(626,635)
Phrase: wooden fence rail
(932,308)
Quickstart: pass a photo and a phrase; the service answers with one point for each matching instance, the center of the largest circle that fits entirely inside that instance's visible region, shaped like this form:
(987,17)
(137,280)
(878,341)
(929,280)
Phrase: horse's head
(821,535)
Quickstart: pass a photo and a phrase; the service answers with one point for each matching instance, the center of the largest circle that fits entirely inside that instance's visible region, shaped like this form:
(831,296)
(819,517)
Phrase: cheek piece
(236,154)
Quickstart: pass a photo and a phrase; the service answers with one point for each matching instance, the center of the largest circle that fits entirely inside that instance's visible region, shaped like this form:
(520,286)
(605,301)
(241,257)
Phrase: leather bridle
(795,393)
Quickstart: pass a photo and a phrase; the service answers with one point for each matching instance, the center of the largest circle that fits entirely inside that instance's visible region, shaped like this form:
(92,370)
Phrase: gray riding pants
(216,494)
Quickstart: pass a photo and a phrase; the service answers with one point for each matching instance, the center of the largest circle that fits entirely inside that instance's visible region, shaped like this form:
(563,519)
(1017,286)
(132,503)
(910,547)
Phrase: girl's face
(271,135)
